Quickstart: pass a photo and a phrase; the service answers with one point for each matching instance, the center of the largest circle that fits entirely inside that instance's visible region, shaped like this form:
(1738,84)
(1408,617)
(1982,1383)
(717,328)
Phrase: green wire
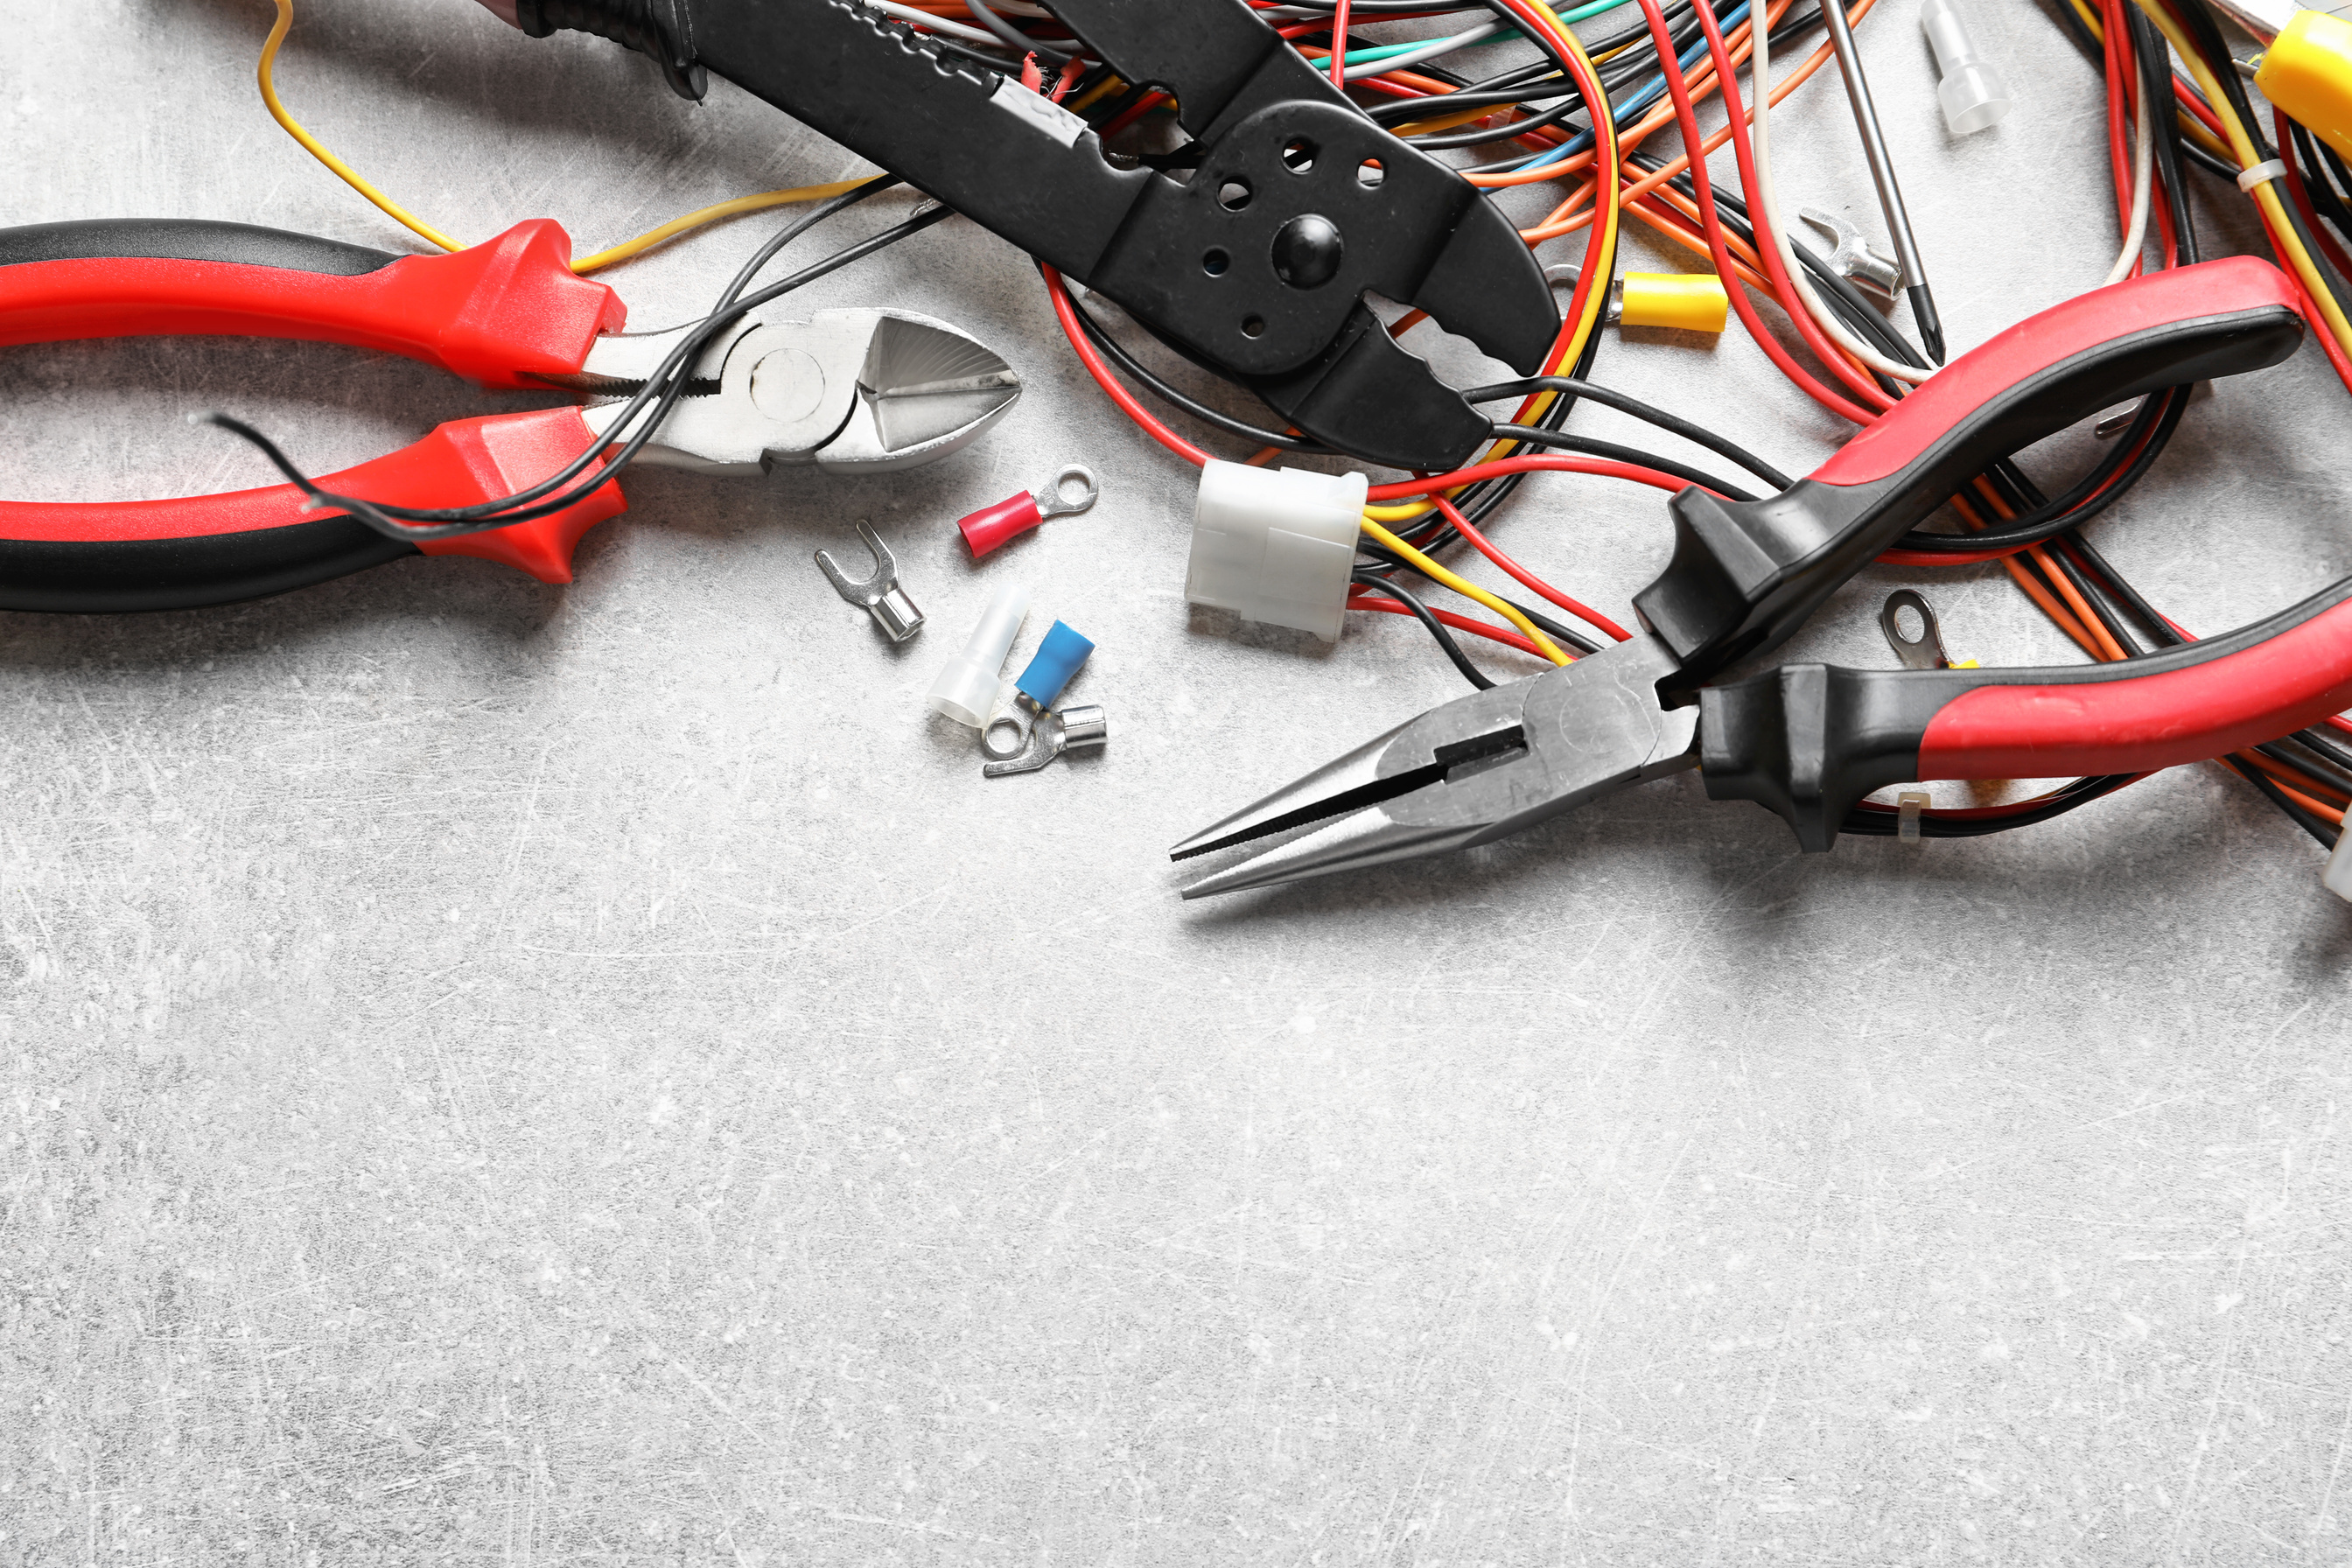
(1383,51)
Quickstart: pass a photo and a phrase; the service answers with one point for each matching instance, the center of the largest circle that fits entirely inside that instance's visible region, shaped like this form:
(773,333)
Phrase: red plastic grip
(2127,726)
(1952,394)
(462,463)
(991,526)
(495,313)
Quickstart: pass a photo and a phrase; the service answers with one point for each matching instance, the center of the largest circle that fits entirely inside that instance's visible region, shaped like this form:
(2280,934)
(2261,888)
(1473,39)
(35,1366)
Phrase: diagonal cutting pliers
(1811,741)
(848,391)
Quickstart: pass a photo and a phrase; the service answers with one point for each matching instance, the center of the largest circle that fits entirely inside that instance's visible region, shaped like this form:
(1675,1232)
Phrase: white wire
(1435,48)
(2143,155)
(1760,134)
(937,24)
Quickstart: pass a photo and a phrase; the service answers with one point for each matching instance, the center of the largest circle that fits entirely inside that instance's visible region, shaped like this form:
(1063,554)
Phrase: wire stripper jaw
(1258,267)
(1474,769)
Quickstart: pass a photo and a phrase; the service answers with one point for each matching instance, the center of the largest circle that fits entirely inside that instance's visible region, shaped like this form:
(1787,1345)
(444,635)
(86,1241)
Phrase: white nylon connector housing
(2337,877)
(1972,93)
(1275,546)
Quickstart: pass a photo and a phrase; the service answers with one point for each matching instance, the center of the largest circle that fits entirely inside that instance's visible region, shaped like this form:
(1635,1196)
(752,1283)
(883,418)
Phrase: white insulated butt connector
(968,689)
(1971,92)
(1275,546)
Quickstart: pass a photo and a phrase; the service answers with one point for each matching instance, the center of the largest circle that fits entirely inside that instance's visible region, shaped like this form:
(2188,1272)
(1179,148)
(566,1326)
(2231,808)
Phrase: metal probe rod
(1882,172)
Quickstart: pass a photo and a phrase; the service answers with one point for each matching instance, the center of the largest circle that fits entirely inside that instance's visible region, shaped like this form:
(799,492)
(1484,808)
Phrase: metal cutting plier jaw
(1472,771)
(1807,740)
(855,391)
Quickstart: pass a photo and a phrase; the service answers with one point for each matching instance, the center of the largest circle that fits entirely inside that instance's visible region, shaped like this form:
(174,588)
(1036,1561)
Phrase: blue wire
(1624,109)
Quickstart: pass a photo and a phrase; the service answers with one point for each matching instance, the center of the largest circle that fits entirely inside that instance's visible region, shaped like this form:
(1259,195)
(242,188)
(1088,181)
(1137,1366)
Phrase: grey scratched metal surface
(496,1072)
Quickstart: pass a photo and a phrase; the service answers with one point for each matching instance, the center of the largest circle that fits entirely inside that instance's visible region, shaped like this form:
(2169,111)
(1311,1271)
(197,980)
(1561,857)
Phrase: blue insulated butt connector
(1056,660)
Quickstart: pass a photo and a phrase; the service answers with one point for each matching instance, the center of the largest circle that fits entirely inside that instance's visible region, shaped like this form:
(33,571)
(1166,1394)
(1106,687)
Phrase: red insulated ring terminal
(992,526)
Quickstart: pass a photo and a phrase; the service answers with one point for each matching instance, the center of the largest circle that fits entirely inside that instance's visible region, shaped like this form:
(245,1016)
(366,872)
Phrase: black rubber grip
(81,577)
(188,239)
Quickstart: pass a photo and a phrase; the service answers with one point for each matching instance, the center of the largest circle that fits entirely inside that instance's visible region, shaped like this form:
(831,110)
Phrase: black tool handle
(1257,267)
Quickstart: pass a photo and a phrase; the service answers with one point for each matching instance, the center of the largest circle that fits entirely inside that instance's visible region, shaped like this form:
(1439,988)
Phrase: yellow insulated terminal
(2307,71)
(1689,301)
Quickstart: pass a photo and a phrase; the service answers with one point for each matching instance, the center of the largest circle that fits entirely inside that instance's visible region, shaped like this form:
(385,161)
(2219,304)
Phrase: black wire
(1480,501)
(2324,201)
(2316,766)
(2326,834)
(2080,549)
(661,392)
(2157,86)
(662,389)
(2086,500)
(1609,398)
(1152,383)
(962,50)
(1479,138)
(1018,41)
(1537,436)
(1883,823)
(2328,751)
(2336,171)
(1422,613)
(2207,39)
(1836,290)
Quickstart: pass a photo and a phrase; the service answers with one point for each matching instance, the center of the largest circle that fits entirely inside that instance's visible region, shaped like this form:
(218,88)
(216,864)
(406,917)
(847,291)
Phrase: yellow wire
(712,214)
(311,144)
(268,77)
(2190,126)
(1464,587)
(2242,146)
(1603,246)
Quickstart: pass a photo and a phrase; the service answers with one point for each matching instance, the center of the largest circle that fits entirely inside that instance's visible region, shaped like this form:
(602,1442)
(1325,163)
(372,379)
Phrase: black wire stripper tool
(1256,267)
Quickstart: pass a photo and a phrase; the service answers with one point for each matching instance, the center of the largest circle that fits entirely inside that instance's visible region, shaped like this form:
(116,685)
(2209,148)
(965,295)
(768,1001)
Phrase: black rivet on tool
(1307,251)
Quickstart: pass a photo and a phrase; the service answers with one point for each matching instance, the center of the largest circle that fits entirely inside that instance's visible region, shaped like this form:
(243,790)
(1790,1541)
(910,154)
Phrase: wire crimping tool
(849,391)
(1256,267)
(1811,741)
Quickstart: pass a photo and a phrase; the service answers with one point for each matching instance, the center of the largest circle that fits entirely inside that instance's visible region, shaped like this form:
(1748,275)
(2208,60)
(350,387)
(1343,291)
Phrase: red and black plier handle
(1811,741)
(501,314)
(1805,740)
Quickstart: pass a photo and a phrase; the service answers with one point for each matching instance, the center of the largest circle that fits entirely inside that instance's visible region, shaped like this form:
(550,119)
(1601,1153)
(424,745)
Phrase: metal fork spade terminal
(878,596)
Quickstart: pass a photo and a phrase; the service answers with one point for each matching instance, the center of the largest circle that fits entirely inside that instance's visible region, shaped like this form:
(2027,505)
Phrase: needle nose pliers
(851,391)
(1809,740)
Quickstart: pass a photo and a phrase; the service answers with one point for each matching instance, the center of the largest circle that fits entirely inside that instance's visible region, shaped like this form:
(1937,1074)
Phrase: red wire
(1065,313)
(1339,45)
(2111,43)
(1744,152)
(1555,462)
(1128,116)
(1686,121)
(1459,623)
(1585,612)
(1588,276)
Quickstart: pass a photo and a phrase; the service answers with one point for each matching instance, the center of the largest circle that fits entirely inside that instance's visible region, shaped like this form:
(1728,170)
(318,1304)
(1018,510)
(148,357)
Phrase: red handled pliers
(847,389)
(1811,741)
